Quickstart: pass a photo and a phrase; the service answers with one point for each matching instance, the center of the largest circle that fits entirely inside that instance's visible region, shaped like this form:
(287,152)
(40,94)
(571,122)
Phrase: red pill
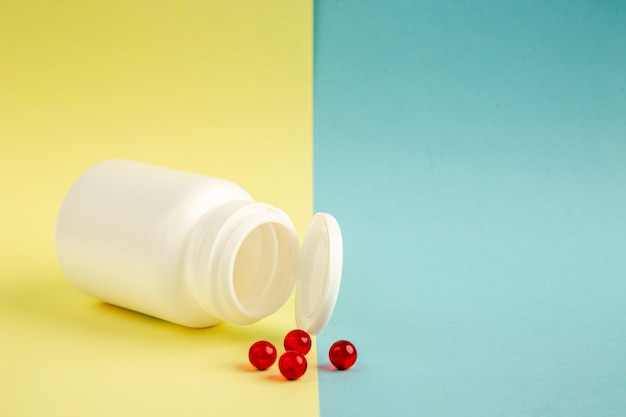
(262,354)
(298,340)
(292,364)
(342,354)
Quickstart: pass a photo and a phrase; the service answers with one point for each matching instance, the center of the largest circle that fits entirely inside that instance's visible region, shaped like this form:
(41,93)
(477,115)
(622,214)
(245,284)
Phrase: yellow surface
(217,87)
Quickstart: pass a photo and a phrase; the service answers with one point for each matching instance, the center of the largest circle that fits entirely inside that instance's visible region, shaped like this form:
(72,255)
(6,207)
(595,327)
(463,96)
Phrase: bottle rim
(216,256)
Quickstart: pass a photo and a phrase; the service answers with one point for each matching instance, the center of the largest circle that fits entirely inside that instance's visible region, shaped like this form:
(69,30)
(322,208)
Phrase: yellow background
(216,87)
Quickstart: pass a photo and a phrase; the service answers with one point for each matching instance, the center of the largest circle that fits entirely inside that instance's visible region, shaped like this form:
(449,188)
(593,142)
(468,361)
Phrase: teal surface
(475,155)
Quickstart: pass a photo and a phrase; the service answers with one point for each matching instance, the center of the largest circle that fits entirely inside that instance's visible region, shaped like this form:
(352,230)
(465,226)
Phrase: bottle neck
(240,261)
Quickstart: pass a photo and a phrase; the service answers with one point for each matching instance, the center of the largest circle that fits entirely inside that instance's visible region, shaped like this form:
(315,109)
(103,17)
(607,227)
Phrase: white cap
(318,273)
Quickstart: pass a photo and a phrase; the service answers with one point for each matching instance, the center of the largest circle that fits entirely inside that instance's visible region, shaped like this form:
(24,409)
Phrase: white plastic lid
(318,273)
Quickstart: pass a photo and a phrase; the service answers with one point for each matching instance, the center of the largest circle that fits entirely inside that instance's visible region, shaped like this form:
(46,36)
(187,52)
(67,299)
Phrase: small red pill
(292,364)
(298,340)
(262,355)
(342,354)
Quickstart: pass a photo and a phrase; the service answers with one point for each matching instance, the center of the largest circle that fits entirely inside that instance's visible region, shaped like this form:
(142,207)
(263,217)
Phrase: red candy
(342,354)
(298,340)
(262,354)
(292,364)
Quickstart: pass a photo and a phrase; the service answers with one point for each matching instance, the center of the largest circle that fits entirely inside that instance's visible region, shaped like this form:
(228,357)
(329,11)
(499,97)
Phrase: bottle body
(183,247)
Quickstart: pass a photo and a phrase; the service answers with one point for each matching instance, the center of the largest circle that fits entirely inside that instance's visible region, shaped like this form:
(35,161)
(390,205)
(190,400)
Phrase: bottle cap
(318,273)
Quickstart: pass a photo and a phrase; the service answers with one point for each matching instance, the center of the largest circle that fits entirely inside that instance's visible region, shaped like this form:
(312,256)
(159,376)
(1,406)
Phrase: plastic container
(192,249)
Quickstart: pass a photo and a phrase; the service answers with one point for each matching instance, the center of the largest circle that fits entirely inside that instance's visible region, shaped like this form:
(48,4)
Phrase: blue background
(474,153)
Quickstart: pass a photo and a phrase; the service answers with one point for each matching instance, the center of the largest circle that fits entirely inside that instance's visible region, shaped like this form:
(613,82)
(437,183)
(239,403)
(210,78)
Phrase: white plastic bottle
(193,250)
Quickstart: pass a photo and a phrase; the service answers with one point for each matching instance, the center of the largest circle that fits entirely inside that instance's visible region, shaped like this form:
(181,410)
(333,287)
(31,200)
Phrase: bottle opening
(255,265)
(262,272)
(244,261)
